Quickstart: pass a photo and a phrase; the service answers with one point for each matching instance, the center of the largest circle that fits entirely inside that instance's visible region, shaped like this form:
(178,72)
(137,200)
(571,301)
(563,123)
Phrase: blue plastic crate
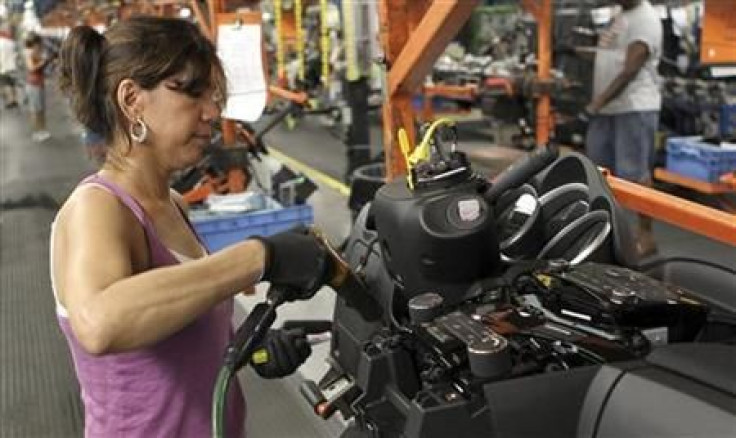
(689,156)
(225,229)
(728,120)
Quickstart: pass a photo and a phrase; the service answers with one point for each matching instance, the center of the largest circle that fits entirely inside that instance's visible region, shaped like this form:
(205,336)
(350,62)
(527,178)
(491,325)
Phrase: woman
(145,310)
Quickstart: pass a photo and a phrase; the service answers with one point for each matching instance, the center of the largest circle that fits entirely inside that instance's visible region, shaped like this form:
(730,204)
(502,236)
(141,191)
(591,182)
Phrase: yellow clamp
(259,356)
(422,151)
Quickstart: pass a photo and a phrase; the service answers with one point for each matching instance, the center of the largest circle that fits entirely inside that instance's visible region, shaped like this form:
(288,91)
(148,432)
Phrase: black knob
(425,307)
(489,357)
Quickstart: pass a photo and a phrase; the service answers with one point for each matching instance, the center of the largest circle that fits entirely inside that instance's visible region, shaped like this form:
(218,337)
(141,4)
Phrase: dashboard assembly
(514,309)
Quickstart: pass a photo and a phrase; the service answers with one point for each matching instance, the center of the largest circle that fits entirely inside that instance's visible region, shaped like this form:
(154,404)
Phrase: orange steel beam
(500,82)
(691,216)
(202,20)
(213,8)
(457,92)
(440,23)
(694,184)
(464,92)
(542,10)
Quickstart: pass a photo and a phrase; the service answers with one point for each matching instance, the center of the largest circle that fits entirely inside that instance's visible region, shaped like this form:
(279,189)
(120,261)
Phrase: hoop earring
(138,131)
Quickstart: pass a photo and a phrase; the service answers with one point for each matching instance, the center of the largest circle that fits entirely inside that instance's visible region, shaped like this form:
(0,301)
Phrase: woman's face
(179,125)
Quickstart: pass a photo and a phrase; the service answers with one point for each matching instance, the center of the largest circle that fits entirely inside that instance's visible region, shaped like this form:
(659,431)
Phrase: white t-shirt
(7,55)
(640,24)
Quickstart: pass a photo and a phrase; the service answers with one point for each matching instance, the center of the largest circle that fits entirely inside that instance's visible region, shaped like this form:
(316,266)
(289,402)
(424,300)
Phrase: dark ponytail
(81,79)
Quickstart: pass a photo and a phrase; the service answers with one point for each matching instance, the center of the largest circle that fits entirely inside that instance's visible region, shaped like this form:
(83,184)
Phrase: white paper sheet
(239,49)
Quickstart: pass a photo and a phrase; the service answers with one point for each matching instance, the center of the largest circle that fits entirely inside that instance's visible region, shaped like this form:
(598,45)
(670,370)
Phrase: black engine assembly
(513,309)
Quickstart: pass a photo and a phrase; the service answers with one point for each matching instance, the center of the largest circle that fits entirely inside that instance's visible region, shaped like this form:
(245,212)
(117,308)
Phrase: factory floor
(38,392)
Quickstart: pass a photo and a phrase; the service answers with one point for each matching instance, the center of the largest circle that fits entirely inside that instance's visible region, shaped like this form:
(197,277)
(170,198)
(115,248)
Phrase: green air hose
(218,402)
(245,341)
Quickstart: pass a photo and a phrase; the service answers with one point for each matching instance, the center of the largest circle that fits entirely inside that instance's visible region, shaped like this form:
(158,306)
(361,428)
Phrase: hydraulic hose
(218,401)
(246,340)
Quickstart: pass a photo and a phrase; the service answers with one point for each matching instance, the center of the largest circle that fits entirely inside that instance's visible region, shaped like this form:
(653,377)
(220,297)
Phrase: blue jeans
(36,98)
(624,143)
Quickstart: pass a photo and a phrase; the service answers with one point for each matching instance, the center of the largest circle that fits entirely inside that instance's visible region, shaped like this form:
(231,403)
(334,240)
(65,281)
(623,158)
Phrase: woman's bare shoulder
(92,207)
(100,243)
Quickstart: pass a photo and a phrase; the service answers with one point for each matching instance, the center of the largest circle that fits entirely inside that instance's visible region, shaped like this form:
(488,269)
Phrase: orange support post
(413,33)
(396,110)
(213,8)
(202,20)
(542,10)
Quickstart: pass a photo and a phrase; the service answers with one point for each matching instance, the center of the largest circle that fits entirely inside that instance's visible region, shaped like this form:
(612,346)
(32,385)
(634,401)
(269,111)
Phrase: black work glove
(296,261)
(281,353)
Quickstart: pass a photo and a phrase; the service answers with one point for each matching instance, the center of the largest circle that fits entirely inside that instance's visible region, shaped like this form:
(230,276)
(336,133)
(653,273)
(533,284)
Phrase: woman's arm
(112,309)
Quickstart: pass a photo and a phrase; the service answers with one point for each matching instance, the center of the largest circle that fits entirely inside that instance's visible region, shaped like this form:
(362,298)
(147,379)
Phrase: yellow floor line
(310,172)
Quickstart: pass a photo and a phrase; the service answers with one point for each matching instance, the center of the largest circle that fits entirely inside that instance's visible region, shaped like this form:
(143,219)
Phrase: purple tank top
(164,390)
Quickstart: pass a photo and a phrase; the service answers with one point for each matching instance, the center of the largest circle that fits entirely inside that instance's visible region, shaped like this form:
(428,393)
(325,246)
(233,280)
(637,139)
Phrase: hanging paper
(239,49)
